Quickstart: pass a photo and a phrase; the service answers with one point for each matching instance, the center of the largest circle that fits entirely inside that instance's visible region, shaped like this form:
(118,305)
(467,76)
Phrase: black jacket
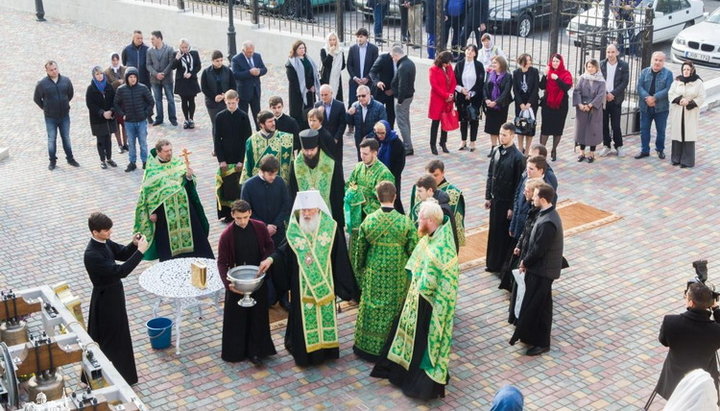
(336,123)
(693,339)
(478,87)
(232,130)
(270,203)
(214,82)
(187,86)
(532,79)
(622,78)
(98,103)
(134,102)
(383,69)
(353,62)
(505,97)
(544,254)
(504,173)
(403,83)
(54,98)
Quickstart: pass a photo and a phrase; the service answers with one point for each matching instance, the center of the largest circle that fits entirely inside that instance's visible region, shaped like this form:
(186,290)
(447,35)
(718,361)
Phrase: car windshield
(714,17)
(646,3)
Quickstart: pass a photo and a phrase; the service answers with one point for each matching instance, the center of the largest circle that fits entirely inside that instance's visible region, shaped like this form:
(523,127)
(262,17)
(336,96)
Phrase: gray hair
(184,41)
(246,44)
(363,88)
(613,45)
(397,50)
(431,209)
(659,53)
(97,69)
(326,87)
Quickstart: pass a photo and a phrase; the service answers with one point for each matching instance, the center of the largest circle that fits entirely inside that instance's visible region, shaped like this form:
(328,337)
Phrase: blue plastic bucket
(160,332)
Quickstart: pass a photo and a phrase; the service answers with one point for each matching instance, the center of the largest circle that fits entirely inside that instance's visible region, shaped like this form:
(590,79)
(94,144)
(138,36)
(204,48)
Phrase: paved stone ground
(608,306)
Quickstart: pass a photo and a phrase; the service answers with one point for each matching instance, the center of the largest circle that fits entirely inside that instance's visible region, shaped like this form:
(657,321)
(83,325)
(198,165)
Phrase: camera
(701,276)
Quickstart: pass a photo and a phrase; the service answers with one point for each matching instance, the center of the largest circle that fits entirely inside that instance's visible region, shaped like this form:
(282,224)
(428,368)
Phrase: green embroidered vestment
(257,147)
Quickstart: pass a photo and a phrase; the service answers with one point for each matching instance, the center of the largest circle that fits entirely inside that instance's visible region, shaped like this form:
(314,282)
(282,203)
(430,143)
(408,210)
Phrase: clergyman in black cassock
(246,330)
(504,173)
(107,317)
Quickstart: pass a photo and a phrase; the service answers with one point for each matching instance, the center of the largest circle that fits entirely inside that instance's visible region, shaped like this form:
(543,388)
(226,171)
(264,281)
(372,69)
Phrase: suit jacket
(248,86)
(376,112)
(477,88)
(353,61)
(336,124)
(383,69)
(693,339)
(403,84)
(622,78)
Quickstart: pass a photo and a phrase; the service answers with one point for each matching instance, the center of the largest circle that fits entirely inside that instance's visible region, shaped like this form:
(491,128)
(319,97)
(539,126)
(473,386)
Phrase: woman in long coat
(99,99)
(332,58)
(686,95)
(556,82)
(442,93)
(589,101)
(187,65)
(303,83)
(470,76)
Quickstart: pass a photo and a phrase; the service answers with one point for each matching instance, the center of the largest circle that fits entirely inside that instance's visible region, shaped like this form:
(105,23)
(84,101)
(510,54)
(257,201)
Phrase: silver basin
(243,278)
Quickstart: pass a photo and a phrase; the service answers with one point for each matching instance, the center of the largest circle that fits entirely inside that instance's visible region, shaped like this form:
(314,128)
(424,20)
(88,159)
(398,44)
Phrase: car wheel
(289,8)
(524,25)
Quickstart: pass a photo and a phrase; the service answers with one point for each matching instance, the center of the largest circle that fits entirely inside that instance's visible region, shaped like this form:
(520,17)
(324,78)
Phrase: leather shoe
(444,148)
(661,155)
(73,163)
(174,122)
(130,167)
(255,360)
(533,351)
(642,155)
(157,123)
(434,150)
(51,166)
(410,152)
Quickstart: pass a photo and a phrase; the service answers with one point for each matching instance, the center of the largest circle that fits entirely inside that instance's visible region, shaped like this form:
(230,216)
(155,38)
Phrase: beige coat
(694,91)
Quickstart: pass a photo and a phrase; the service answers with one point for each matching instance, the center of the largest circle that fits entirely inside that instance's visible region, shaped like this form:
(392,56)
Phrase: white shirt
(363,111)
(468,75)
(610,80)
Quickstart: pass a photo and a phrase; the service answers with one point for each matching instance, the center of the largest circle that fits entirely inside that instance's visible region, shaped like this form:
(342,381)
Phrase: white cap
(310,199)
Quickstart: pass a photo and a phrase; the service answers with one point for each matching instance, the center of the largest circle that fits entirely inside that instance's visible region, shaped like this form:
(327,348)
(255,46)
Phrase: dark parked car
(520,17)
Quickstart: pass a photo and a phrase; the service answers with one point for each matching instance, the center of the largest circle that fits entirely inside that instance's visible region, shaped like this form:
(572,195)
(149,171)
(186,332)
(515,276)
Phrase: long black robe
(232,130)
(507,281)
(107,318)
(287,277)
(200,233)
(246,330)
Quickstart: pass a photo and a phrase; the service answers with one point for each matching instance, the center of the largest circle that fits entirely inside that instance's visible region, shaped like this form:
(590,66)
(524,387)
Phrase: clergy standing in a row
(246,330)
(417,352)
(360,199)
(232,129)
(267,141)
(308,264)
(169,212)
(385,241)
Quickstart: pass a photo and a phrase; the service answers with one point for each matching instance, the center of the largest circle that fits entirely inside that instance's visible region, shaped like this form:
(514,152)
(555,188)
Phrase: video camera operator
(693,338)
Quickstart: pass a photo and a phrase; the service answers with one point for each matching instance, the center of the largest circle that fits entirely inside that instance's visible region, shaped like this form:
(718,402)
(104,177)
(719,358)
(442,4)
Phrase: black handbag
(525,123)
(472,113)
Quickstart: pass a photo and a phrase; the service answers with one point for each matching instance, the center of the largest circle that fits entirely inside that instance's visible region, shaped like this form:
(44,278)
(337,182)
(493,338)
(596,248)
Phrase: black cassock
(107,319)
(286,272)
(246,330)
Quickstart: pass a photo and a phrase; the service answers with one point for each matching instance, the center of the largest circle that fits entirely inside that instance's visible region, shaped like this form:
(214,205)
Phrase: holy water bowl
(243,279)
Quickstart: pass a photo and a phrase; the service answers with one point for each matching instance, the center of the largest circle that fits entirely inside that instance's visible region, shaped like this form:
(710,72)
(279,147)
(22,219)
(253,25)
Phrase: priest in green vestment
(267,141)
(386,239)
(360,200)
(309,264)
(416,355)
(456,200)
(169,212)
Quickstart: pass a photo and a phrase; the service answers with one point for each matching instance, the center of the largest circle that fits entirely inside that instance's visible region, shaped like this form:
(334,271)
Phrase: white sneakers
(606,151)
(621,151)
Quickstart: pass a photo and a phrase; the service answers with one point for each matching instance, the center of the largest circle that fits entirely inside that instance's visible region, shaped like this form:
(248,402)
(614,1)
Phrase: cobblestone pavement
(608,306)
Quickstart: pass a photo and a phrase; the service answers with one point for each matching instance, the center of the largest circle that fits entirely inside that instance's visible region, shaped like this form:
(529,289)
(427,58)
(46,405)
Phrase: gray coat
(589,124)
(160,61)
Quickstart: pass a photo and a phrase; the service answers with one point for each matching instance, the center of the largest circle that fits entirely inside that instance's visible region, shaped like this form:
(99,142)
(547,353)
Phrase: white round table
(171,281)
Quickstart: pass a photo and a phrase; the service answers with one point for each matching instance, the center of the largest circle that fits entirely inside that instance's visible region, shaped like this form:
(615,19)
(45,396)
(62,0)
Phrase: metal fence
(578,29)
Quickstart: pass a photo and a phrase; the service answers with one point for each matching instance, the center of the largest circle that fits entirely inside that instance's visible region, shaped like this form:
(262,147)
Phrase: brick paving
(608,306)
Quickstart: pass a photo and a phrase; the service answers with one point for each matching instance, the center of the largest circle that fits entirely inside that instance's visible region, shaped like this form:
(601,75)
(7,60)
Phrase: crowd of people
(320,236)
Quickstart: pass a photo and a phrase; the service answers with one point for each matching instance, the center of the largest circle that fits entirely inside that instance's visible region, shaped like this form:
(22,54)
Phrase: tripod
(654,393)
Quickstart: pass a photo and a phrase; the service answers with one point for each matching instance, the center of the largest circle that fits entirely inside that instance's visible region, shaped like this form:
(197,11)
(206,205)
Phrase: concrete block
(4,153)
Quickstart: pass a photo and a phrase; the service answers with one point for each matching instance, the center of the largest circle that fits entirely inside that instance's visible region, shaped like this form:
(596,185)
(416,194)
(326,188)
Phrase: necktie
(249,62)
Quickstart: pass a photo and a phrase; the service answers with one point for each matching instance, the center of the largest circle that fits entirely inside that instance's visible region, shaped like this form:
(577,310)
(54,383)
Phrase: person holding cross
(169,213)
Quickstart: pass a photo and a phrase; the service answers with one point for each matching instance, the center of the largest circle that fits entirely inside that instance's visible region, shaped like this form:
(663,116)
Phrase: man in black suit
(693,339)
(361,57)
(381,75)
(617,76)
(334,118)
(247,68)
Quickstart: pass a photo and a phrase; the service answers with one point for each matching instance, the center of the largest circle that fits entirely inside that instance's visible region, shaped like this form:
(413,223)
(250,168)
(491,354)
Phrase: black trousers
(404,34)
(474,125)
(104,147)
(254,104)
(188,107)
(456,23)
(611,115)
(434,126)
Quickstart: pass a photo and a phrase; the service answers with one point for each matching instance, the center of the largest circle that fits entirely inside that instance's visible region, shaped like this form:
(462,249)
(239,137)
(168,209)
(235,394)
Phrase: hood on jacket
(131,71)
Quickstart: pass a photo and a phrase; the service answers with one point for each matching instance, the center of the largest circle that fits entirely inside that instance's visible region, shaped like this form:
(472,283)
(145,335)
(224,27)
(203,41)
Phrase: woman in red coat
(442,91)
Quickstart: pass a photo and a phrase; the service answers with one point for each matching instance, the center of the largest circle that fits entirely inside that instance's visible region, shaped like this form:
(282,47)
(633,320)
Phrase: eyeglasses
(380,133)
(362,95)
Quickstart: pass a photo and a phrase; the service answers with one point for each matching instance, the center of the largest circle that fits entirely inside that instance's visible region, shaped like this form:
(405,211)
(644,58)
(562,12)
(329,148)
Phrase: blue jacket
(248,86)
(376,112)
(455,8)
(522,206)
(662,87)
(137,57)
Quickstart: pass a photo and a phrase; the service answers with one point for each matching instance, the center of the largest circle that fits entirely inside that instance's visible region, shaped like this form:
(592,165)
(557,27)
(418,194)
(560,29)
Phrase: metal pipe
(232,45)
(39,10)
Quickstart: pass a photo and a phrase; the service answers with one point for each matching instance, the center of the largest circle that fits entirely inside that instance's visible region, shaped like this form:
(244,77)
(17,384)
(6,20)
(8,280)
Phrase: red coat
(226,247)
(442,86)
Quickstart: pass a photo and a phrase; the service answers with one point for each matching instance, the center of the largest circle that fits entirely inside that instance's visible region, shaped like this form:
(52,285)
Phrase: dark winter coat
(54,97)
(137,57)
(504,173)
(97,103)
(187,87)
(136,102)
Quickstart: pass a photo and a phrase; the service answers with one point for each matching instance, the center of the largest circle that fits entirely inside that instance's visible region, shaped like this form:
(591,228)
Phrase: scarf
(593,77)
(99,84)
(496,79)
(553,93)
(336,68)
(683,79)
(188,62)
(385,151)
(297,64)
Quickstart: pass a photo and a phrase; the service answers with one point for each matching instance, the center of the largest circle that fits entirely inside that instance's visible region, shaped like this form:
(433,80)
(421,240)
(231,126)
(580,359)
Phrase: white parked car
(699,43)
(671,16)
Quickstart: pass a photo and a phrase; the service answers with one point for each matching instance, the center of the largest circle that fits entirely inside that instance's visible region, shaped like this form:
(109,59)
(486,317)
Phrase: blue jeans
(52,125)
(431,46)
(137,130)
(157,90)
(378,16)
(646,119)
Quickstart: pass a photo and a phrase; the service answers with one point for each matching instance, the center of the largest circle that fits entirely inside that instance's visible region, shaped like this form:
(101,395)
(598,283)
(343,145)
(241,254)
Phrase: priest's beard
(312,162)
(310,225)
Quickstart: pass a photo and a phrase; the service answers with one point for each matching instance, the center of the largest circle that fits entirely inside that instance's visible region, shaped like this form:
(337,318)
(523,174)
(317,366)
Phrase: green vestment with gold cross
(456,203)
(317,289)
(164,185)
(360,201)
(385,242)
(257,146)
(434,271)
